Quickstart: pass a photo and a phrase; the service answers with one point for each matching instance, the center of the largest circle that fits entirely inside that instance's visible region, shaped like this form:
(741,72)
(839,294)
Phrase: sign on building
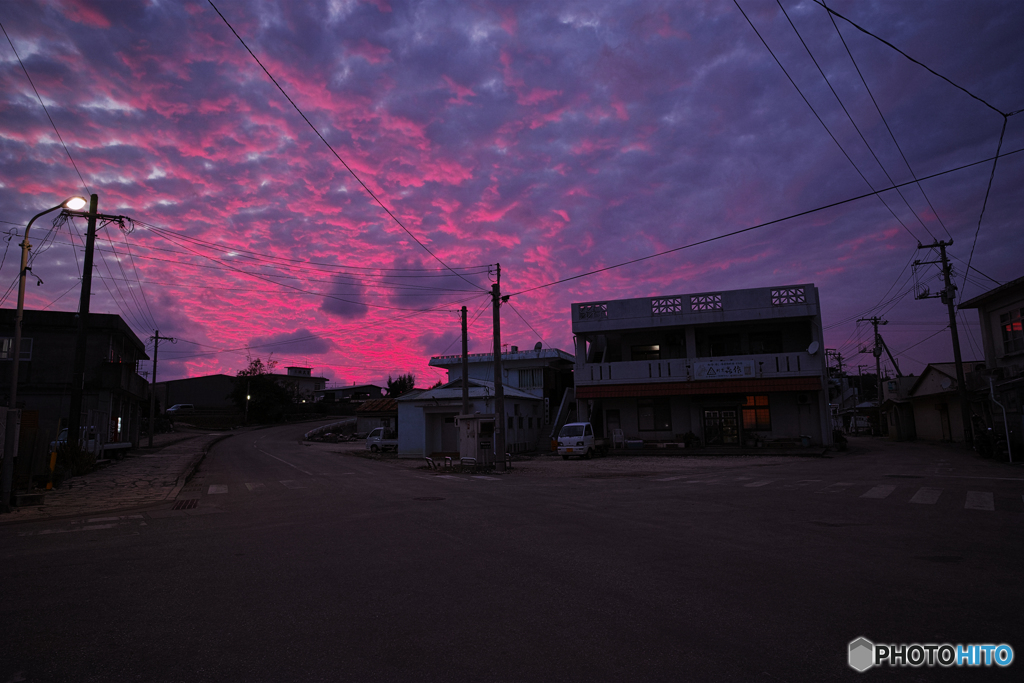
(723,369)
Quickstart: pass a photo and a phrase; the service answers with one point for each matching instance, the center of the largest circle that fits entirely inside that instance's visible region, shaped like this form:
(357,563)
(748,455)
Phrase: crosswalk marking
(881,491)
(254,486)
(217,488)
(759,483)
(292,484)
(926,496)
(980,500)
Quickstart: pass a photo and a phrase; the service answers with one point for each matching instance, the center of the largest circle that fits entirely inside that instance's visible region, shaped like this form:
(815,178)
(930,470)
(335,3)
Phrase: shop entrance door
(721,427)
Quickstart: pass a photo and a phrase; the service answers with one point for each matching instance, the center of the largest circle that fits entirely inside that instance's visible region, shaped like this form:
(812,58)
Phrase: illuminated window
(1013,332)
(756,416)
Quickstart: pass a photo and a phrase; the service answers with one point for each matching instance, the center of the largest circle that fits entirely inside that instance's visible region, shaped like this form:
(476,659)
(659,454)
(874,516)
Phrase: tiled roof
(378,405)
(721,386)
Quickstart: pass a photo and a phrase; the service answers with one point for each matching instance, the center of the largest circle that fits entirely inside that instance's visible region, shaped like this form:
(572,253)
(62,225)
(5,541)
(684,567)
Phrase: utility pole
(877,353)
(78,371)
(948,297)
(152,387)
(499,389)
(465,363)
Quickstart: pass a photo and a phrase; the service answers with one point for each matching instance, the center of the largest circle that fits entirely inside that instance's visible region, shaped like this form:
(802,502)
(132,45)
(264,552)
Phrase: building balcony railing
(796,364)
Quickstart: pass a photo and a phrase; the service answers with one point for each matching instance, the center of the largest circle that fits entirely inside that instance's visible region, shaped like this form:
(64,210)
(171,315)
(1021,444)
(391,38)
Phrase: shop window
(756,414)
(1013,331)
(654,415)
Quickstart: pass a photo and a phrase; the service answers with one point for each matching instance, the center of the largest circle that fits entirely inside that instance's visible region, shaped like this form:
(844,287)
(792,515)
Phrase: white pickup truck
(577,438)
(379,440)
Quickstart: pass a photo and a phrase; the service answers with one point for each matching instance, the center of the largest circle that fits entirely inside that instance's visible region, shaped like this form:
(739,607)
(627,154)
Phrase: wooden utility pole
(948,297)
(877,353)
(499,389)
(152,387)
(78,371)
(465,363)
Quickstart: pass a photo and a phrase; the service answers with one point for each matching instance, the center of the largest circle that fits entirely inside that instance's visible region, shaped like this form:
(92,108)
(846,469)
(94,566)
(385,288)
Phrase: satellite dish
(946,383)
(537,346)
(813,348)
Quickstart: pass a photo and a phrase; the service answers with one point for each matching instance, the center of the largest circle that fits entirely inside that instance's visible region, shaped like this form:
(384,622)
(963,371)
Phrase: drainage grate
(185,504)
(428,498)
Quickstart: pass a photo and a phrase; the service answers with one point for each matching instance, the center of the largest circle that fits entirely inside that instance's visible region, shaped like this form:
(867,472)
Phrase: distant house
(356,392)
(898,408)
(208,393)
(114,396)
(935,398)
(428,420)
(377,412)
(545,374)
(300,383)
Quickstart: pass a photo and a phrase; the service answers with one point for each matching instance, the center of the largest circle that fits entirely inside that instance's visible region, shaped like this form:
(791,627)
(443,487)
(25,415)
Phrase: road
(304,563)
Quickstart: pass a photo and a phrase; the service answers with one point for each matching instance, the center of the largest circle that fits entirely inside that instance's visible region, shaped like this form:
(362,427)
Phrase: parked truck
(577,438)
(380,440)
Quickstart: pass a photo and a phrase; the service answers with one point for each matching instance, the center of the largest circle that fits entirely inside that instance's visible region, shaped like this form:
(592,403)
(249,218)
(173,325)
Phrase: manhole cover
(428,498)
(185,504)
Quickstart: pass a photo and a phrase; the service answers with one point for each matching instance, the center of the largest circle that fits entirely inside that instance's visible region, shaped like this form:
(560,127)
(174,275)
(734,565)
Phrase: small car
(181,409)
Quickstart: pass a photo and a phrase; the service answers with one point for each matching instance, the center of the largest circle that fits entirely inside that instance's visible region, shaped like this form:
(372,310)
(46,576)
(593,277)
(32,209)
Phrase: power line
(758,226)
(84,184)
(921,64)
(338,156)
(864,81)
(984,204)
(854,123)
(525,321)
(822,121)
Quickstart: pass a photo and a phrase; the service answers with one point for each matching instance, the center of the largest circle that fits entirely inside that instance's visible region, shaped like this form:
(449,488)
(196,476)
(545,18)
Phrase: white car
(577,438)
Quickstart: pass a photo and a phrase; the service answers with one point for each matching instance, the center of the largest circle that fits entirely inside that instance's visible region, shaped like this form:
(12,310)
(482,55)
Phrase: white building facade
(730,368)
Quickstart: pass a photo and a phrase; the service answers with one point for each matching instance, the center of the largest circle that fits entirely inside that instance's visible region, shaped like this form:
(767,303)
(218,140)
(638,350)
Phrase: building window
(593,311)
(7,348)
(652,352)
(520,422)
(724,345)
(756,415)
(531,379)
(1013,332)
(511,423)
(765,342)
(654,415)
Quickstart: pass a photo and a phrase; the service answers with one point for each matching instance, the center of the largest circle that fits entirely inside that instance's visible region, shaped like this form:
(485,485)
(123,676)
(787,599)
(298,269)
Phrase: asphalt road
(301,563)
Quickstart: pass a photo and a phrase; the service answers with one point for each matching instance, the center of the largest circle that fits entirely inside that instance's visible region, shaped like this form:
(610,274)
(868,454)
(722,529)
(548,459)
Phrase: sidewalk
(146,477)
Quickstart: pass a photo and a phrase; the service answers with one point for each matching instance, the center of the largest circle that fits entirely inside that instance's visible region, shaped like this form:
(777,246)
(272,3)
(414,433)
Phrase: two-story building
(1001,314)
(534,383)
(114,396)
(726,366)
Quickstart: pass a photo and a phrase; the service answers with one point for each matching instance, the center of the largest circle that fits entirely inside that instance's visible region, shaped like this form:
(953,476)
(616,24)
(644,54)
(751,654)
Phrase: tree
(402,385)
(268,399)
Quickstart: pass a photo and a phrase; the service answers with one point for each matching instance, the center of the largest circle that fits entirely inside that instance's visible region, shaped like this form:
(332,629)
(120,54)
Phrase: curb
(190,470)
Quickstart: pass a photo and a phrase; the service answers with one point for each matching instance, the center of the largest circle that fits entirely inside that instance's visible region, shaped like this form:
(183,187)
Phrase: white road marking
(254,486)
(802,482)
(881,491)
(980,500)
(308,474)
(292,484)
(217,488)
(837,487)
(926,496)
(759,483)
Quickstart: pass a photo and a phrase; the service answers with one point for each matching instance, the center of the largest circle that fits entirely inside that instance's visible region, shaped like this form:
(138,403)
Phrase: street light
(73,203)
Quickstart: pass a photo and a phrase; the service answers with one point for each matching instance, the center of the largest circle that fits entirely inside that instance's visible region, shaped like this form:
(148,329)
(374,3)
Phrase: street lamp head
(75,203)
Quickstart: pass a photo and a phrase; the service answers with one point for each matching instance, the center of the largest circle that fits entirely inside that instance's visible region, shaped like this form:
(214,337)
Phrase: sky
(552,138)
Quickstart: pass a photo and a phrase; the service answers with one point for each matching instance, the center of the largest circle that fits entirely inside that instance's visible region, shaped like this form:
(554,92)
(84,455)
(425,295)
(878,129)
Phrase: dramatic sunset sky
(554,138)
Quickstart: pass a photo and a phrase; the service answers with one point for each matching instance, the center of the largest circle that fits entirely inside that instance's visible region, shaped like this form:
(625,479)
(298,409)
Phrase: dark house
(114,397)
(209,393)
